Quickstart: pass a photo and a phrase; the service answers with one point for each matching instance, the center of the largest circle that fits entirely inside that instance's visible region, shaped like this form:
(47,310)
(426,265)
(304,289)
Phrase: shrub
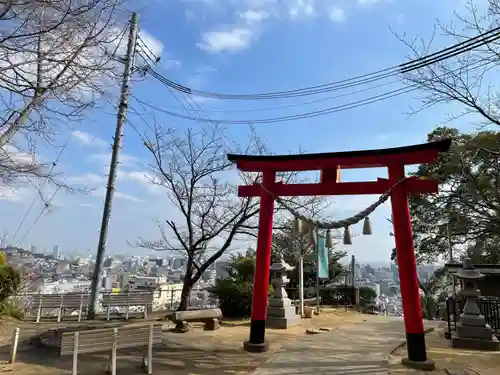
(10,280)
(366,296)
(9,308)
(235,297)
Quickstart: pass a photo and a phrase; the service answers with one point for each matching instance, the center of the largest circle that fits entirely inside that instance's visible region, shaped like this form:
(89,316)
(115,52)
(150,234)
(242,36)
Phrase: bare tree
(57,59)
(193,169)
(466,79)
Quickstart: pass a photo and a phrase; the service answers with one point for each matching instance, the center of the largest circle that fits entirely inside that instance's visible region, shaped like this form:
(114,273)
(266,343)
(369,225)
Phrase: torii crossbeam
(395,159)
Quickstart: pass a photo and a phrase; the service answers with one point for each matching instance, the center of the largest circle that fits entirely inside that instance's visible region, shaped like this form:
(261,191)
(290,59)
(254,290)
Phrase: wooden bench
(210,317)
(126,300)
(61,302)
(112,339)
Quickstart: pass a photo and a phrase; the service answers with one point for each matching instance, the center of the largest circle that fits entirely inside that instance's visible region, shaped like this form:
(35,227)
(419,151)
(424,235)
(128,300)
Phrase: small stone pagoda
(472,331)
(280,312)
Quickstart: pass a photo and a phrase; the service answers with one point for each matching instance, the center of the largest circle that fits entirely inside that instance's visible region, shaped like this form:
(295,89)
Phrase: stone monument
(472,331)
(280,312)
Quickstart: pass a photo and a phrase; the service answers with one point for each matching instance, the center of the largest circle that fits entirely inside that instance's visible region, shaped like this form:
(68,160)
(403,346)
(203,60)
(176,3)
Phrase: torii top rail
(331,163)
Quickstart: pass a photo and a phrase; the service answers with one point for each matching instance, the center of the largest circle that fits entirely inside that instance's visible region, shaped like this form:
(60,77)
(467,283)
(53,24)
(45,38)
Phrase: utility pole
(318,297)
(120,121)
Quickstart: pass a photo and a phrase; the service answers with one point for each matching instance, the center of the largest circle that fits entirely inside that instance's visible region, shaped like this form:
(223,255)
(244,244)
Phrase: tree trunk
(186,287)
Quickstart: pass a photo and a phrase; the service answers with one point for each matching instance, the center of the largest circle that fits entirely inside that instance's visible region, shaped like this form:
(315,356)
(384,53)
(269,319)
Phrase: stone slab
(472,320)
(477,344)
(278,302)
(428,365)
(281,312)
(483,333)
(282,323)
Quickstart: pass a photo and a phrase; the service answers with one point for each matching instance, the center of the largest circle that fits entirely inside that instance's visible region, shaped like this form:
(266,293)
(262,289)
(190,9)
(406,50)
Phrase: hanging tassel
(312,236)
(328,239)
(347,236)
(296,226)
(367,227)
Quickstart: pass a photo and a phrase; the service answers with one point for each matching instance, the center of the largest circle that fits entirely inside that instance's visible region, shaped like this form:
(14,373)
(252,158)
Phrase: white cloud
(367,2)
(232,40)
(337,14)
(127,197)
(87,205)
(20,157)
(89,139)
(298,8)
(101,192)
(152,44)
(251,15)
(12,194)
(247,19)
(144,179)
(88,179)
(124,160)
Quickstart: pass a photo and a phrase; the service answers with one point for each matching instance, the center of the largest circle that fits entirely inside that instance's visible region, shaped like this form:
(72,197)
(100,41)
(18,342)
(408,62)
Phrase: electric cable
(188,102)
(335,109)
(446,53)
(49,201)
(54,164)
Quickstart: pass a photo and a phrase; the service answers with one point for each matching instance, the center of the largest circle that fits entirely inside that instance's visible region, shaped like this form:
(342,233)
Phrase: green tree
(10,281)
(290,247)
(235,291)
(469,176)
(366,296)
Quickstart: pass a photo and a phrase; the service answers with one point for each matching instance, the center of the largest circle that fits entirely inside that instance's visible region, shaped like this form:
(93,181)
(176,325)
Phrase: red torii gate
(329,164)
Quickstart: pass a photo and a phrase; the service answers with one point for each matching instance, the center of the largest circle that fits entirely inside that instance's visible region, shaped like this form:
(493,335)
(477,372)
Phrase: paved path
(360,349)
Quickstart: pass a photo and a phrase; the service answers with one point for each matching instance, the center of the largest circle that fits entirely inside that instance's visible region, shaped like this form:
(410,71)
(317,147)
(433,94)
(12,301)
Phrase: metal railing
(489,307)
(168,300)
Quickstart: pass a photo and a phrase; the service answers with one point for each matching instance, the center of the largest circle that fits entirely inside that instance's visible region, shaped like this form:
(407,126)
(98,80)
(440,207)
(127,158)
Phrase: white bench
(126,300)
(61,302)
(112,339)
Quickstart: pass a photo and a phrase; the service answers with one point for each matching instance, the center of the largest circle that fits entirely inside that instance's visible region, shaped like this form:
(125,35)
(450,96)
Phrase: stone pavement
(359,349)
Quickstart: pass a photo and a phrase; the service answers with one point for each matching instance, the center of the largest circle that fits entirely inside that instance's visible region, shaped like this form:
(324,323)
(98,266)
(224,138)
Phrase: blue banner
(322,259)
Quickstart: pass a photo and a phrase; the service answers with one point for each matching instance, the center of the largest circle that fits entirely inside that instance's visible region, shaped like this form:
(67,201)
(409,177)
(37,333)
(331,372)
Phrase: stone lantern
(472,331)
(280,312)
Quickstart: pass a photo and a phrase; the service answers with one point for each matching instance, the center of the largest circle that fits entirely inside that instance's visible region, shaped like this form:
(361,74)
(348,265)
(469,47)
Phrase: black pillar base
(415,345)
(256,348)
(417,354)
(427,365)
(257,343)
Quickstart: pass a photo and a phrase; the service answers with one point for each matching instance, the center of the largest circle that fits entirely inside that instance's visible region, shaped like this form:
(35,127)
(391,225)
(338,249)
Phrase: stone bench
(210,317)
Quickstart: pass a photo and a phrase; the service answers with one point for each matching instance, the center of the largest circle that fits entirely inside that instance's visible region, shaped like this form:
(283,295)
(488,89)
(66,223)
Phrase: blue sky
(241,46)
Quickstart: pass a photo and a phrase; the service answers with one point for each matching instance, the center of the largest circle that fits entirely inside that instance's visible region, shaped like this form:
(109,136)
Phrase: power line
(413,65)
(329,110)
(48,203)
(154,60)
(54,164)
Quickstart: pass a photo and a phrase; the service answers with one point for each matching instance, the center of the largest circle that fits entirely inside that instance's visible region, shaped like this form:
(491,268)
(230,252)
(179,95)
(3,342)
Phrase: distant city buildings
(56,252)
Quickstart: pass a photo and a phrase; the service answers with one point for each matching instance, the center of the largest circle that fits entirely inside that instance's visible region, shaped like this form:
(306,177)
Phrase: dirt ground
(196,352)
(439,349)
